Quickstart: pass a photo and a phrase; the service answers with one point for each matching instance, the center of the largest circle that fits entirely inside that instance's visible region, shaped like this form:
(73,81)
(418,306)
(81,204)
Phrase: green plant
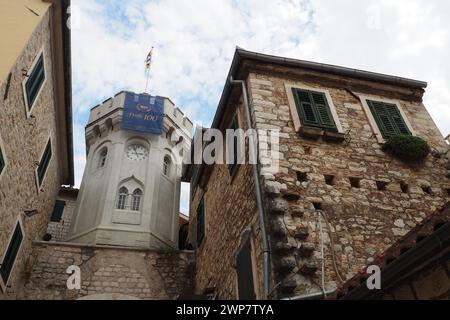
(407,148)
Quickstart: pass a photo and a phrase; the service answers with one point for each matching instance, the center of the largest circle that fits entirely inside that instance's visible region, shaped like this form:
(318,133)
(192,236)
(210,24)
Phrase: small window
(122,201)
(313,109)
(44,162)
(329,179)
(200,222)
(58,211)
(302,176)
(427,190)
(102,158)
(2,161)
(166,166)
(136,203)
(34,82)
(234,147)
(11,254)
(355,182)
(381,185)
(388,119)
(404,186)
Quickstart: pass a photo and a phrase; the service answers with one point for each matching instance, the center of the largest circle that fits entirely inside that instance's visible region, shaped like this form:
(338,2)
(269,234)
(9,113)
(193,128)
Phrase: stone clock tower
(130,192)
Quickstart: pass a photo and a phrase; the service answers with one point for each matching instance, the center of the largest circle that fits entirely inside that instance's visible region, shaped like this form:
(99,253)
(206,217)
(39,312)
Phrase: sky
(194,43)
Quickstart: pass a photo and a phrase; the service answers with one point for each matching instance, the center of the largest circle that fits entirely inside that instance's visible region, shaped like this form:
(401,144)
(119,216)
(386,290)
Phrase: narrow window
(388,118)
(2,161)
(313,109)
(43,164)
(123,194)
(404,186)
(244,271)
(200,222)
(166,166)
(329,179)
(34,82)
(136,203)
(427,190)
(234,147)
(11,254)
(448,192)
(102,159)
(58,211)
(355,182)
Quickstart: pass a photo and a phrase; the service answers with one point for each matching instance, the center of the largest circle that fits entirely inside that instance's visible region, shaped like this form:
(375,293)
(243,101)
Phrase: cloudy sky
(195,40)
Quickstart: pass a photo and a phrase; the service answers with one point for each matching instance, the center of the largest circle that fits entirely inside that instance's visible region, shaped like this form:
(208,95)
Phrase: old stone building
(336,201)
(35,128)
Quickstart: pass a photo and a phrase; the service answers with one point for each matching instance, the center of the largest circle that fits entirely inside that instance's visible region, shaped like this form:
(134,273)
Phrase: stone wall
(430,283)
(357,222)
(24,140)
(139,273)
(230,208)
(60,230)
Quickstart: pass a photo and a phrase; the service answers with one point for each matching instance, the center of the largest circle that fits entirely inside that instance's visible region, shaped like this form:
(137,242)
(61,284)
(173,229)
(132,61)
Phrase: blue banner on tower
(143,112)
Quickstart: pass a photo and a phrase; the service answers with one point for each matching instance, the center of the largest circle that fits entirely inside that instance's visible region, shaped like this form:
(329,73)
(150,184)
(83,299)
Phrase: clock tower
(130,192)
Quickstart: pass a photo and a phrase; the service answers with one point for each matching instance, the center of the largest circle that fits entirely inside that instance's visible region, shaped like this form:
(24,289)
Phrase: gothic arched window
(166,166)
(102,158)
(122,202)
(136,202)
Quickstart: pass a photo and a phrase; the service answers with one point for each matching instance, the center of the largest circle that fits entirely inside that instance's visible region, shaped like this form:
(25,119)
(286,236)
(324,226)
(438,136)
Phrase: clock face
(136,152)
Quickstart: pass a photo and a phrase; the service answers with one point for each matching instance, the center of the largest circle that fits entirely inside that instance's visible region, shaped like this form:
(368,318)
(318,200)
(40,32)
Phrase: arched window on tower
(166,166)
(102,158)
(122,201)
(136,203)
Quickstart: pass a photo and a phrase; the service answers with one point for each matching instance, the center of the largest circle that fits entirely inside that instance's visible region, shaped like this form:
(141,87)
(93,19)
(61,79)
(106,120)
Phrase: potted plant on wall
(407,148)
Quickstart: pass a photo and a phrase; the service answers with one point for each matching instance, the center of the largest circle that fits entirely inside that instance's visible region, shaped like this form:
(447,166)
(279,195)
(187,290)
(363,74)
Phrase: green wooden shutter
(305,107)
(35,81)
(43,164)
(388,118)
(11,254)
(313,109)
(323,110)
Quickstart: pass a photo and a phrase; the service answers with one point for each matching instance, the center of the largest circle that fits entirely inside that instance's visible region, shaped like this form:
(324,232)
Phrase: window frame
(247,236)
(102,158)
(293,106)
(61,202)
(125,200)
(28,108)
(5,160)
(133,200)
(3,285)
(373,124)
(40,185)
(167,168)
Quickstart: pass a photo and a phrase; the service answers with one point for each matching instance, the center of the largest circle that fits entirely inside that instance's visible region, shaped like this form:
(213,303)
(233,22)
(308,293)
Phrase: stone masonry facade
(137,273)
(23,140)
(60,230)
(314,198)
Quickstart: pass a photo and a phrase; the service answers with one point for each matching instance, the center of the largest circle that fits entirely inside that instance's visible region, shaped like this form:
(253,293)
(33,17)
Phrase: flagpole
(146,83)
(148,62)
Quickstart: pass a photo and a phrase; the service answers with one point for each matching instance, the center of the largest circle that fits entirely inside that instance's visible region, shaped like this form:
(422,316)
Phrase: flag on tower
(148,60)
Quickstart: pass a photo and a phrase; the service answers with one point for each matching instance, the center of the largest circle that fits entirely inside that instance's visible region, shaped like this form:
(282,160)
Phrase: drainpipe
(259,198)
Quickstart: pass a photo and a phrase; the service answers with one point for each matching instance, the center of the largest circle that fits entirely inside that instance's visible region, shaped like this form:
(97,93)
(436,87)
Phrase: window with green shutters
(2,161)
(11,254)
(45,160)
(35,81)
(200,222)
(388,118)
(58,210)
(313,109)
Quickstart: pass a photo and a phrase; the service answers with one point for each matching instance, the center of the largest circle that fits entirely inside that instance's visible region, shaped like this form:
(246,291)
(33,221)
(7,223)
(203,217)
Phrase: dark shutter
(245,273)
(43,164)
(200,223)
(58,211)
(11,254)
(313,109)
(388,118)
(2,161)
(35,81)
